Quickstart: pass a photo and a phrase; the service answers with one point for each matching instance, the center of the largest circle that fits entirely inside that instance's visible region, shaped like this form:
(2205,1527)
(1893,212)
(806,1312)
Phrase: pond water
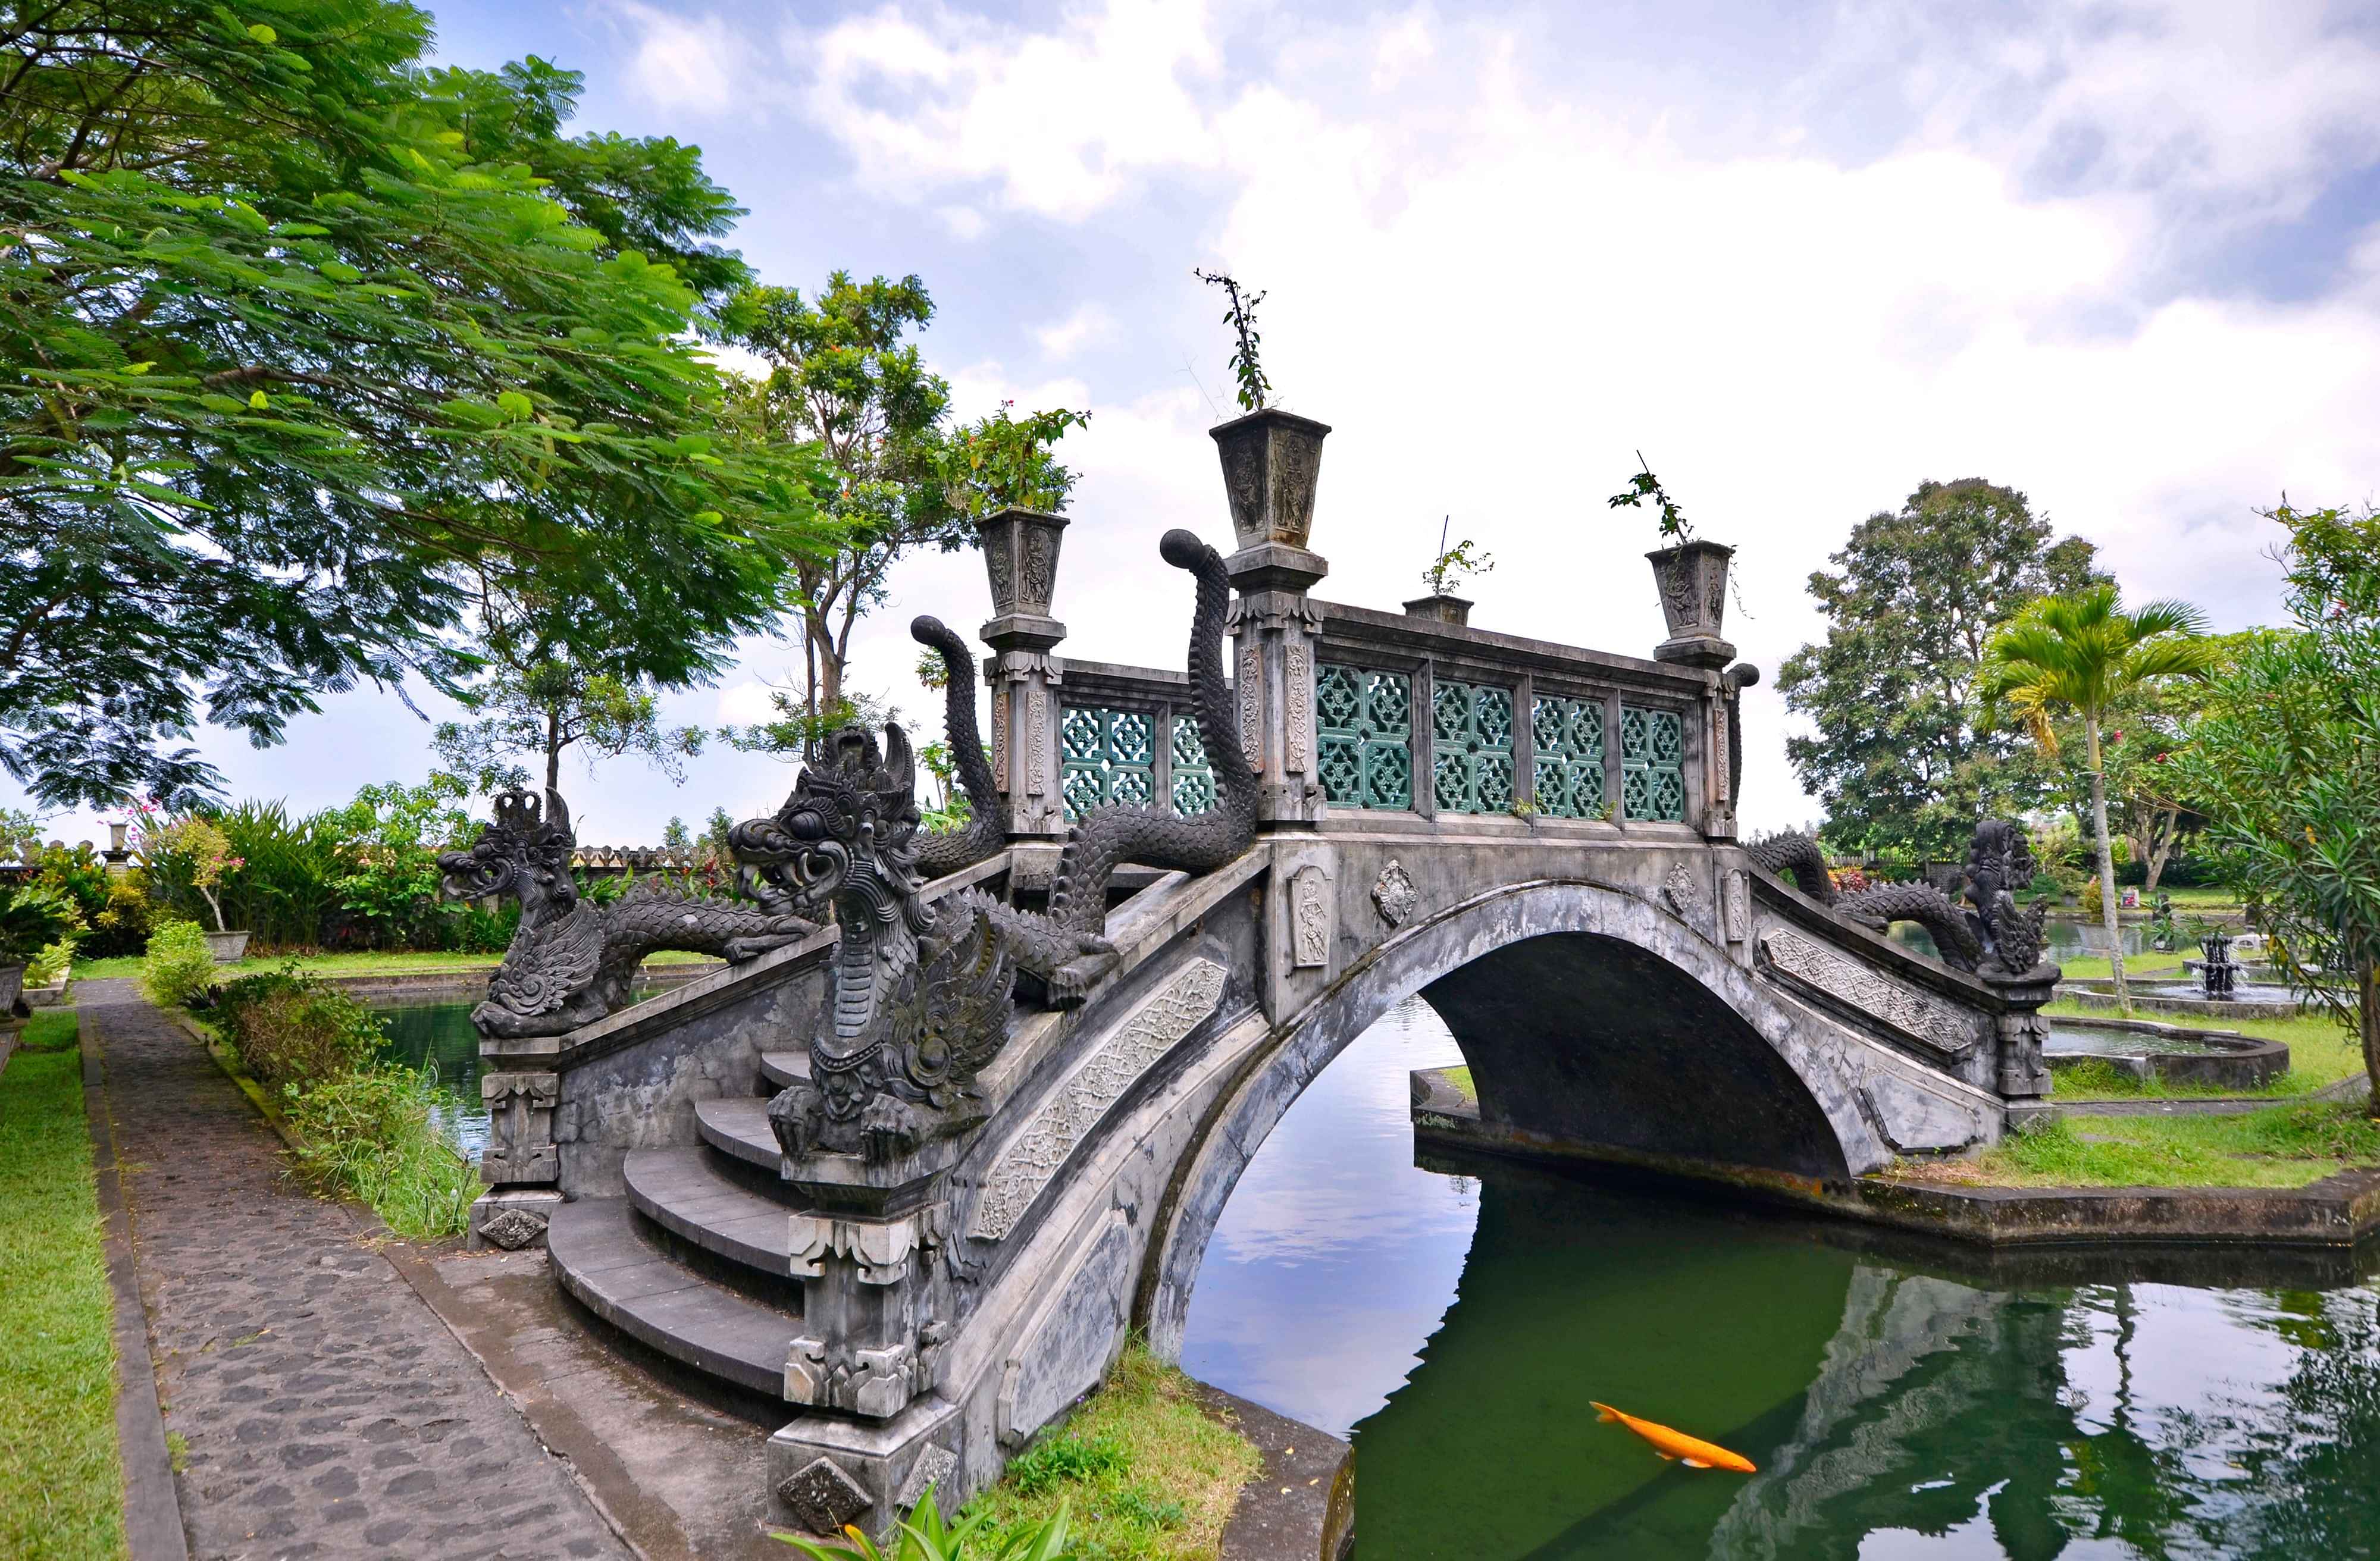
(438,1038)
(1897,1405)
(2061,940)
(2073,1041)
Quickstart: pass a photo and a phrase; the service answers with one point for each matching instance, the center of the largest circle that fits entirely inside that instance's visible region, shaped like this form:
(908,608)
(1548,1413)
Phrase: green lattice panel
(1569,765)
(1366,723)
(1194,778)
(1470,734)
(1106,755)
(1652,764)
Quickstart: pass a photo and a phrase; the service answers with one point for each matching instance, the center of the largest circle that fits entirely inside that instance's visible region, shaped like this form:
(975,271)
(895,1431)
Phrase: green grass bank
(61,1478)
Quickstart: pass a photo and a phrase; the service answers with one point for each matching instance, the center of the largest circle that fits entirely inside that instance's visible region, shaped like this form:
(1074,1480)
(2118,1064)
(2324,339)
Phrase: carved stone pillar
(521,1163)
(870,1341)
(2020,1074)
(1276,642)
(1723,776)
(1020,556)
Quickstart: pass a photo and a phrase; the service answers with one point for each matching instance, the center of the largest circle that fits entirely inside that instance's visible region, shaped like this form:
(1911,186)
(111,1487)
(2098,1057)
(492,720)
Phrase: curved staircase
(694,1263)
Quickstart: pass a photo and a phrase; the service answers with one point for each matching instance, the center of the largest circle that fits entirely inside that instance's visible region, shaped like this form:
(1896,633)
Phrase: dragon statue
(572,960)
(923,993)
(1990,935)
(984,833)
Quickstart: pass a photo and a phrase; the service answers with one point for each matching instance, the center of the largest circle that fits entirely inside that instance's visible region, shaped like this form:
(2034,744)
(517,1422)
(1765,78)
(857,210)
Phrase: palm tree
(2081,653)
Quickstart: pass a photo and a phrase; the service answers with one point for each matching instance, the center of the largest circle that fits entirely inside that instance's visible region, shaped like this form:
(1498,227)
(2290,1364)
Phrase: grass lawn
(61,1483)
(2135,965)
(2322,1052)
(2285,1146)
(346,964)
(1460,1079)
(1144,1472)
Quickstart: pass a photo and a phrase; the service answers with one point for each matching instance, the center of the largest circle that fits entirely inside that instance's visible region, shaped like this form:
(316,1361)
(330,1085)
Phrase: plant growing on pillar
(1455,565)
(1645,489)
(1242,318)
(2078,654)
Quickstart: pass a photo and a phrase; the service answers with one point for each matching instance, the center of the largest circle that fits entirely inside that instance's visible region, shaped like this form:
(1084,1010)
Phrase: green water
(438,1038)
(1899,1400)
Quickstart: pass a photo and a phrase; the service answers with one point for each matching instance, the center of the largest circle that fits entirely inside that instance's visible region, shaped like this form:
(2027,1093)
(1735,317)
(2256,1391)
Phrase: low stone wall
(2339,1211)
(2241,1063)
(2104,998)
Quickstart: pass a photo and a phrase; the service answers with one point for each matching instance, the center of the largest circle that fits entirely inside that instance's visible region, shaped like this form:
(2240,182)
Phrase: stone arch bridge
(1540,839)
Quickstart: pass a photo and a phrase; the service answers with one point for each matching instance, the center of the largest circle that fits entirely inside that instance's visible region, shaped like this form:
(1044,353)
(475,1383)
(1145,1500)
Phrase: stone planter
(12,982)
(1020,555)
(228,947)
(44,997)
(1272,460)
(1692,581)
(1440,609)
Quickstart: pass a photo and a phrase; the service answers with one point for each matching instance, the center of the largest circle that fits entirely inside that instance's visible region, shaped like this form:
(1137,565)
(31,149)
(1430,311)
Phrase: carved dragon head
(847,832)
(524,853)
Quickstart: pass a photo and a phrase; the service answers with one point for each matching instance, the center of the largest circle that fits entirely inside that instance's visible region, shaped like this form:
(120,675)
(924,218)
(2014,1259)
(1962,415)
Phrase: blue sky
(2125,256)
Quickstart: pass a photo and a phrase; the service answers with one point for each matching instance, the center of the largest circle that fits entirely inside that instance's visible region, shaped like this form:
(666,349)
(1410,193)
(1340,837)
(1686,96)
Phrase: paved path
(326,1408)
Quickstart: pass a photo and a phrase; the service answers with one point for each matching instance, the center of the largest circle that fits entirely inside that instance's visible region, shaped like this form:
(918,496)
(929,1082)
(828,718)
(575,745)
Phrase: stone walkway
(324,1408)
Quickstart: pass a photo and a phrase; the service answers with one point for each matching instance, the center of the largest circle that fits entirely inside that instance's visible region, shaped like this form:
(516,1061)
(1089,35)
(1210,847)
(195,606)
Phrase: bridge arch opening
(1588,1017)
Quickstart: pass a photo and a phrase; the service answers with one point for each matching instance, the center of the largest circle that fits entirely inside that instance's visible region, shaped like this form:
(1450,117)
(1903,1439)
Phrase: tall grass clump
(371,1134)
(179,966)
(366,1130)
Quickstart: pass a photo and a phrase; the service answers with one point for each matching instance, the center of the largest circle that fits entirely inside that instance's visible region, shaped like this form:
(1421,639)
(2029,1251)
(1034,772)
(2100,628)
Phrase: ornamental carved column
(1271,466)
(1020,555)
(2021,1031)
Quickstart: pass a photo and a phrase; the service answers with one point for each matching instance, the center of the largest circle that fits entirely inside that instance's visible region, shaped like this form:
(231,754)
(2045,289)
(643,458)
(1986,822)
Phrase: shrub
(2094,904)
(51,963)
(292,1029)
(369,1133)
(486,932)
(390,836)
(123,925)
(33,917)
(179,964)
(288,890)
(1066,1458)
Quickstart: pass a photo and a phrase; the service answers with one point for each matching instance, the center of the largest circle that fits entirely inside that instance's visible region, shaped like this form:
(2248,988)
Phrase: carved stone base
(512,1220)
(825,1473)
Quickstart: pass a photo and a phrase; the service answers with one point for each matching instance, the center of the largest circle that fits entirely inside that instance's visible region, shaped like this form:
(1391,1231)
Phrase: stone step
(779,1068)
(598,1258)
(686,1193)
(739,1127)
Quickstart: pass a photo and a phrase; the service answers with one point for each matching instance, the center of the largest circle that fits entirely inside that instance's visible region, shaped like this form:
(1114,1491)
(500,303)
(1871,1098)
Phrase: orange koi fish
(1692,1451)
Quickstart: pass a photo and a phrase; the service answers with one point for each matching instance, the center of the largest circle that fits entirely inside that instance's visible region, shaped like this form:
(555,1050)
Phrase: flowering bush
(191,849)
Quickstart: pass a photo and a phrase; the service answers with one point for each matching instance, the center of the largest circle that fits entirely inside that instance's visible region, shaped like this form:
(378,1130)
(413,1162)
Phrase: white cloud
(1056,122)
(689,65)
(1087,326)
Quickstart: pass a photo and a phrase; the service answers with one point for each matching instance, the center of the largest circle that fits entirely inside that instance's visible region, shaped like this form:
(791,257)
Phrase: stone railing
(1412,713)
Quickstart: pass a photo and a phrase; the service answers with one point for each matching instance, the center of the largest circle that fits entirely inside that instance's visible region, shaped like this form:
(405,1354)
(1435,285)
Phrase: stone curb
(152,1511)
(2339,1211)
(1300,1504)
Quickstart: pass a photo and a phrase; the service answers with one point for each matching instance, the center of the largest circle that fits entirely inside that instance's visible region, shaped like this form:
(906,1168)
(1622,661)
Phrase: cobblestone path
(326,1408)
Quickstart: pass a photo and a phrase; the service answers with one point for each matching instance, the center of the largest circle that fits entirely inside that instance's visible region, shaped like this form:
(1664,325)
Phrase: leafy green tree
(2286,763)
(552,704)
(289,376)
(2084,654)
(1901,756)
(845,378)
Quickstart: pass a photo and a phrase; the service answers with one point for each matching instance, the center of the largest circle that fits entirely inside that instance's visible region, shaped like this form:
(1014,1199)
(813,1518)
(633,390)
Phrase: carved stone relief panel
(1682,891)
(521,1129)
(1394,893)
(824,1496)
(1923,1018)
(1309,917)
(1037,727)
(1297,687)
(1735,910)
(1136,1045)
(1000,736)
(1250,692)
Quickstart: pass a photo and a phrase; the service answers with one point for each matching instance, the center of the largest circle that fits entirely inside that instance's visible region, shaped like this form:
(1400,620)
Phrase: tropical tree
(2286,764)
(300,352)
(845,378)
(2080,654)
(1901,754)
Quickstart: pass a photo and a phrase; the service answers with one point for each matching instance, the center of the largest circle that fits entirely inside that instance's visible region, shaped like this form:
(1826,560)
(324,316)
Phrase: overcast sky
(2123,257)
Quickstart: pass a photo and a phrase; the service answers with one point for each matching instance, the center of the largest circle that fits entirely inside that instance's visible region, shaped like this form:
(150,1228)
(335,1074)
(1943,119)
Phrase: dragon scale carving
(572,961)
(923,993)
(983,835)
